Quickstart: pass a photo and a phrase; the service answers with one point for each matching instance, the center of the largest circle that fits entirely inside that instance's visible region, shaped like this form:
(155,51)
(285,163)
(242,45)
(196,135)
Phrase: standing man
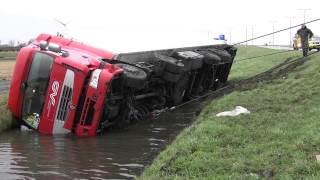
(305,34)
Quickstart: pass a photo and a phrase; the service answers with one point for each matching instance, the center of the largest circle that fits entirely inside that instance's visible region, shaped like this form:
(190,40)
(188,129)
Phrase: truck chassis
(154,80)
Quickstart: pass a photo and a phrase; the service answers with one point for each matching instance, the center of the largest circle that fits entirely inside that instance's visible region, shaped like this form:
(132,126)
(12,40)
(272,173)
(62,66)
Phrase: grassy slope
(6,120)
(246,68)
(279,139)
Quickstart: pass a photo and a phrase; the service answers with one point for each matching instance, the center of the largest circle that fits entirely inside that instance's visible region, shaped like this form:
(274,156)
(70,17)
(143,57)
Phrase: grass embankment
(245,67)
(6,119)
(279,139)
(7,62)
(6,68)
(8,54)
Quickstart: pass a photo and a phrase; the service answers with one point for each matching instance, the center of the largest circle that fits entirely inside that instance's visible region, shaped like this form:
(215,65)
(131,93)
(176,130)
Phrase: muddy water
(117,154)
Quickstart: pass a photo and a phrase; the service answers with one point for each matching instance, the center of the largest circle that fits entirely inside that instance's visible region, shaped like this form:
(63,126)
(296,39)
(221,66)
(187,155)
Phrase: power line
(264,55)
(276,32)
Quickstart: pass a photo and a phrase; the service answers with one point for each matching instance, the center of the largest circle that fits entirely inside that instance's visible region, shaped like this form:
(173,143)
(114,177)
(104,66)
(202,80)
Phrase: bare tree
(30,41)
(11,43)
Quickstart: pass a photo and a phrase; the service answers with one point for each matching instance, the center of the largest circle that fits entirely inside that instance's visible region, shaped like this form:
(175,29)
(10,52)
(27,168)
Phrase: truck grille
(65,97)
(64,102)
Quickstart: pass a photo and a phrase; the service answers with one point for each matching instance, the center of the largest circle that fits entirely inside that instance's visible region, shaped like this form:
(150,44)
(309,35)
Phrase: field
(6,68)
(7,62)
(278,140)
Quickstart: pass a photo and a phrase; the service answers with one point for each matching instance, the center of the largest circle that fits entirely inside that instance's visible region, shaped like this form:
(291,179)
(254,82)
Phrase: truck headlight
(95,78)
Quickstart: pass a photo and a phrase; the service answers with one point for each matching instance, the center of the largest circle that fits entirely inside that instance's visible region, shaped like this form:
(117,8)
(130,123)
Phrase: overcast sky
(133,25)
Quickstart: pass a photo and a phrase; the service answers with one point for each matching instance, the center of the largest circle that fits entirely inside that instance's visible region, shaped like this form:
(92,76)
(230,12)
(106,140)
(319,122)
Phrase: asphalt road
(4,86)
(277,47)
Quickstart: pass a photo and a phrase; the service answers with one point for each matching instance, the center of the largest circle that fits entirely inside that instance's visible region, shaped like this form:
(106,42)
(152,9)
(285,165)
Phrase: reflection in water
(121,154)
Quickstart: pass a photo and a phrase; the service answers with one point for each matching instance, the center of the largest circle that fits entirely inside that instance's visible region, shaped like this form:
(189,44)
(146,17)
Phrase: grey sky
(124,25)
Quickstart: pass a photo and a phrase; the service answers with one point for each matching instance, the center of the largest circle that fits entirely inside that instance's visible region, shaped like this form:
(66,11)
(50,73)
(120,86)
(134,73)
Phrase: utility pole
(304,13)
(273,22)
(290,21)
(230,32)
(273,34)
(246,35)
(252,35)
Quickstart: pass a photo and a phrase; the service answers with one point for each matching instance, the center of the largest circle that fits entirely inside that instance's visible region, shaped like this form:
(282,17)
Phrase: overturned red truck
(62,86)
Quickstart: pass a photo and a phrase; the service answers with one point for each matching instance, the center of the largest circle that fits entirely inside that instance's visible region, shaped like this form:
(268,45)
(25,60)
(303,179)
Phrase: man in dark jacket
(305,34)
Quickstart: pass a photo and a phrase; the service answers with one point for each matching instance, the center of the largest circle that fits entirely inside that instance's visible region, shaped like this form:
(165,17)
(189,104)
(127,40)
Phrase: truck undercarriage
(154,80)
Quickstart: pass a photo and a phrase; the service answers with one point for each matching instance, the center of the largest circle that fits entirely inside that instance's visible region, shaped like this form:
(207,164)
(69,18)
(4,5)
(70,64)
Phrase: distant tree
(30,41)
(11,43)
(21,45)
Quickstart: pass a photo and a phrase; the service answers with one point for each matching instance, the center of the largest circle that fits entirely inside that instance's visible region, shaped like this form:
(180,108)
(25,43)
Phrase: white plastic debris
(237,111)
(318,158)
(25,128)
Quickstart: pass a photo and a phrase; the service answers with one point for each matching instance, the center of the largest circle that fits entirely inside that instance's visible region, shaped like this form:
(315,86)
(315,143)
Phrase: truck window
(36,84)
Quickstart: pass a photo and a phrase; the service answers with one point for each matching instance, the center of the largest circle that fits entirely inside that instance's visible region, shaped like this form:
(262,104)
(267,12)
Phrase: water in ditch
(117,154)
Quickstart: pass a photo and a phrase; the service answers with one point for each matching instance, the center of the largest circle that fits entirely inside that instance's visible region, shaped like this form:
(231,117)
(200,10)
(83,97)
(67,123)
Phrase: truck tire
(171,64)
(133,76)
(224,55)
(196,64)
(191,62)
(210,58)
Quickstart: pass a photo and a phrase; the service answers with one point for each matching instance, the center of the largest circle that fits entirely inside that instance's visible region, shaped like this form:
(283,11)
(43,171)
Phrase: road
(277,47)
(4,85)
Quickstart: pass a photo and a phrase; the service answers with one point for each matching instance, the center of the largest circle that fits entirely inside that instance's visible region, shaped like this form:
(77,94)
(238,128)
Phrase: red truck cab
(49,78)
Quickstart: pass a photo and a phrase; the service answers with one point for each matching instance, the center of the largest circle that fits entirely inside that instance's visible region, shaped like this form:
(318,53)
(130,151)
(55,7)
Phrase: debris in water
(25,128)
(237,111)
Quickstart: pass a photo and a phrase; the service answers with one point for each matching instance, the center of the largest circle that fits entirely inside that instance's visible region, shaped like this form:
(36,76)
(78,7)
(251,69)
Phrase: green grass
(278,140)
(8,55)
(244,68)
(6,119)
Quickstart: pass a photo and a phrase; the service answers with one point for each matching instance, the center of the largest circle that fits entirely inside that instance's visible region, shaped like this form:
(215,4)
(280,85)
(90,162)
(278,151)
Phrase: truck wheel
(171,64)
(224,55)
(194,61)
(179,90)
(176,67)
(210,58)
(133,76)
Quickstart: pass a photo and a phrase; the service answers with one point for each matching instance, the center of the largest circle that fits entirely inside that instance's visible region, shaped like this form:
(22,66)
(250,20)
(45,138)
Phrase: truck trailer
(62,86)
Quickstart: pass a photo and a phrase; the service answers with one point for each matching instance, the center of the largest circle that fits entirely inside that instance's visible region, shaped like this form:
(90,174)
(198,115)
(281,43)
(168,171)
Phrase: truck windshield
(36,87)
